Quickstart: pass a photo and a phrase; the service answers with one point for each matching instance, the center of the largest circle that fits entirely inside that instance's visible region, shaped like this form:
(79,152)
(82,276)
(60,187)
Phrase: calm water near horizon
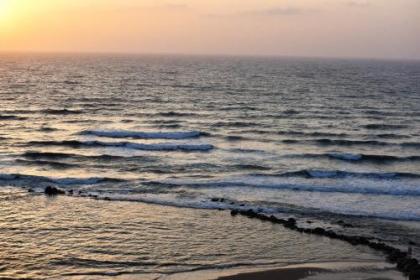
(320,139)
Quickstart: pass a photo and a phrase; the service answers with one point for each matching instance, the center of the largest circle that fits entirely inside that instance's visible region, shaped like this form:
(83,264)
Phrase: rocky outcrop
(405,263)
(53,191)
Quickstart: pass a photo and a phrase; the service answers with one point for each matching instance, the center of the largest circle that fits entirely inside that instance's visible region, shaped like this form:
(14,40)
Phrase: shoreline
(254,270)
(405,262)
(339,270)
(316,271)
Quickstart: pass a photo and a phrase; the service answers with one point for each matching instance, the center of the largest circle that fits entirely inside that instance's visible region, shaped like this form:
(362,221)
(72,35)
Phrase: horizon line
(250,55)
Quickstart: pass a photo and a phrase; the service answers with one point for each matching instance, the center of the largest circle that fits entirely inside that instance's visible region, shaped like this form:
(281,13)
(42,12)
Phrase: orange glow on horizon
(356,28)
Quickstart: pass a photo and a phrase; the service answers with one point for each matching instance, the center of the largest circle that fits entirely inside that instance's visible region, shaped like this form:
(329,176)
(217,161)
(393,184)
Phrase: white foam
(144,135)
(353,186)
(150,147)
(30,180)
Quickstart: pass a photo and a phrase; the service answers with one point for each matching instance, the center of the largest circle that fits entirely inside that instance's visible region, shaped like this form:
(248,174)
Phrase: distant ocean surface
(310,137)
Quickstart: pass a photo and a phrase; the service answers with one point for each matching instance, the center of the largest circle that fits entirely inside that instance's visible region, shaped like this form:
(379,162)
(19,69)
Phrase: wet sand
(325,271)
(282,273)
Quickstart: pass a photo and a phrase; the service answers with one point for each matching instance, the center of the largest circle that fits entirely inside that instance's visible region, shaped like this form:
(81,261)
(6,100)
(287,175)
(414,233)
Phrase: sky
(326,28)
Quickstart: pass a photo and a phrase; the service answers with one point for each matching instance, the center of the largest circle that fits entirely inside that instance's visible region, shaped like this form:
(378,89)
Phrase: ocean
(324,140)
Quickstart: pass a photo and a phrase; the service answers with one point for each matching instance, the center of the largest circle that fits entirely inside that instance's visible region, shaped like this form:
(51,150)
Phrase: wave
(176,114)
(340,142)
(375,126)
(234,138)
(47,129)
(337,174)
(58,181)
(235,124)
(11,117)
(378,159)
(61,111)
(127,145)
(345,156)
(256,181)
(144,135)
(54,164)
(52,156)
(33,154)
(392,136)
(313,134)
(251,166)
(205,202)
(411,144)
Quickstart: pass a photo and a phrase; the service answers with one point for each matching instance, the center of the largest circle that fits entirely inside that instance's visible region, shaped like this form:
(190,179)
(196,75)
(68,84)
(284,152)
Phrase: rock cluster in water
(405,263)
(53,191)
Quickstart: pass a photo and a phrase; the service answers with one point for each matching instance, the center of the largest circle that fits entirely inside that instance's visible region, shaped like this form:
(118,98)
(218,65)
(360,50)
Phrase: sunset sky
(343,28)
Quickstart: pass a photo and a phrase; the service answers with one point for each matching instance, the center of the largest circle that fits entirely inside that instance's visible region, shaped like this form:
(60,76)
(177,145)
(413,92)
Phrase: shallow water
(68,237)
(320,139)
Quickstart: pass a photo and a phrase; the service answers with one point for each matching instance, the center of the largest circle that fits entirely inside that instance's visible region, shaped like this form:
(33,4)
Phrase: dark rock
(250,213)
(341,237)
(354,240)
(52,191)
(107,198)
(410,265)
(363,240)
(290,223)
(414,275)
(263,217)
(394,255)
(234,212)
(318,231)
(214,199)
(401,262)
(331,234)
(281,221)
(30,190)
